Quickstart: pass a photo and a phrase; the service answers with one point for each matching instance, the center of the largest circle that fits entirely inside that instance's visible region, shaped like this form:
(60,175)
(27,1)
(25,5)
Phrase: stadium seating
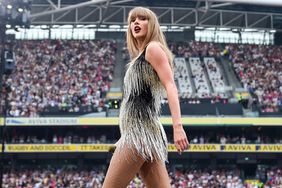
(259,69)
(182,77)
(57,76)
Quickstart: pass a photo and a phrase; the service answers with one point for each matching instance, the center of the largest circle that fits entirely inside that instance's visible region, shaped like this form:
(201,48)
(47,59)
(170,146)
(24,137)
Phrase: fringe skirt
(142,132)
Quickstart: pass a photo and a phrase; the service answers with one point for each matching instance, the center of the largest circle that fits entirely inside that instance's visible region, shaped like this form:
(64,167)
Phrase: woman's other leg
(154,175)
(122,169)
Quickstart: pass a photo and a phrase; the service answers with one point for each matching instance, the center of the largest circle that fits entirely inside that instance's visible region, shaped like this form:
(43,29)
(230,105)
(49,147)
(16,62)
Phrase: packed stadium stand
(54,76)
(259,69)
(62,78)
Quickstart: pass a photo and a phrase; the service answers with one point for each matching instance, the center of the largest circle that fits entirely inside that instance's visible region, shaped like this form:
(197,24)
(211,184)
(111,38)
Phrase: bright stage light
(20,9)
(9,6)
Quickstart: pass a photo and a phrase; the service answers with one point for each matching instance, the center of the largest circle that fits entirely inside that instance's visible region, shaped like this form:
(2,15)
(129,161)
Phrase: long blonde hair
(154,33)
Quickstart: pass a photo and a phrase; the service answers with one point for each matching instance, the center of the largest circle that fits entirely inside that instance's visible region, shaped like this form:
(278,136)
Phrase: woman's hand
(180,139)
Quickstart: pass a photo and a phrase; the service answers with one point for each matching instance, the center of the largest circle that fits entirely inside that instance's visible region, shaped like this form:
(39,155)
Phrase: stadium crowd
(79,138)
(74,76)
(38,178)
(232,139)
(259,67)
(190,178)
(274,178)
(194,49)
(86,179)
(59,74)
(60,139)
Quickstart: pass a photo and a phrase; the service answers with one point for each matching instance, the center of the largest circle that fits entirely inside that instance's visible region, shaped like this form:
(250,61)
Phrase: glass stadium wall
(204,35)
(247,37)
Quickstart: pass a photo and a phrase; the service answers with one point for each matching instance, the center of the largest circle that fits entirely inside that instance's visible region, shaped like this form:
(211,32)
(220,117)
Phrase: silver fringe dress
(140,127)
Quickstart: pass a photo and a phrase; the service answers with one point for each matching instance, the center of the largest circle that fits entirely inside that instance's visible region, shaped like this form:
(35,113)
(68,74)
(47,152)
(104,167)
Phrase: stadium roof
(257,14)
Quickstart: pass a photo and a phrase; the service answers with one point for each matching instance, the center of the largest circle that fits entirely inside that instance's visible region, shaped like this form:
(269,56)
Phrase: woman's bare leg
(154,175)
(123,167)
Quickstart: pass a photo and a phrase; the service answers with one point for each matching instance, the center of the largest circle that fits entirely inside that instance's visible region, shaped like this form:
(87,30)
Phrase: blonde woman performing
(142,147)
